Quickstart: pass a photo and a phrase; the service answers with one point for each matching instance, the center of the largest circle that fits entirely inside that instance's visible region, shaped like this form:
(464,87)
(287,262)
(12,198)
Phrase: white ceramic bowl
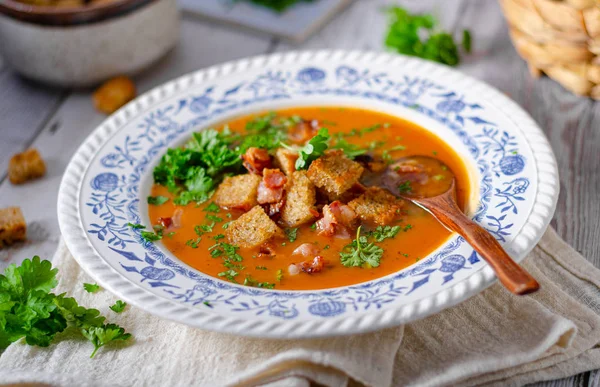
(82,47)
(512,168)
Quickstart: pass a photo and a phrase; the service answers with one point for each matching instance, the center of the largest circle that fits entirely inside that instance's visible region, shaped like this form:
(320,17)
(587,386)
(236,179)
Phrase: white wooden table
(57,121)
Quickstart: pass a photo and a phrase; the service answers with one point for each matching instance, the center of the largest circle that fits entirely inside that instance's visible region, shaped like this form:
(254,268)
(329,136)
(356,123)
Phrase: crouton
(376,205)
(12,226)
(252,229)
(238,192)
(300,200)
(26,166)
(113,94)
(285,159)
(334,173)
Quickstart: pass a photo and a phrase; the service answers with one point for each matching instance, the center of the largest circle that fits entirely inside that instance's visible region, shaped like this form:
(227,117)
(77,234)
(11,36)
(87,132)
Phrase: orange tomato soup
(420,233)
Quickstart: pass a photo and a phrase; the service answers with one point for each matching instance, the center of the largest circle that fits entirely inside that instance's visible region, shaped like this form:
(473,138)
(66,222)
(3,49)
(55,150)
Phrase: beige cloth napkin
(494,338)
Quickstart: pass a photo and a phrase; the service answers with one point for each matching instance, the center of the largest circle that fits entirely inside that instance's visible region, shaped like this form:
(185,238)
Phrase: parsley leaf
(314,149)
(351,150)
(229,274)
(406,32)
(194,171)
(118,307)
(291,233)
(404,187)
(249,281)
(212,207)
(157,200)
(361,253)
(149,236)
(91,288)
(136,226)
(100,336)
(28,310)
(384,232)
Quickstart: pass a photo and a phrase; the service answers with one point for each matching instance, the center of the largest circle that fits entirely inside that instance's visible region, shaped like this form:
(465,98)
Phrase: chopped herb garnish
(438,177)
(229,215)
(384,232)
(225,225)
(193,243)
(283,243)
(279,275)
(118,307)
(149,236)
(170,235)
(214,218)
(261,268)
(212,207)
(91,288)
(407,227)
(218,236)
(207,304)
(405,187)
(434,153)
(157,200)
(291,234)
(249,281)
(313,226)
(194,171)
(229,274)
(136,226)
(361,253)
(326,247)
(314,149)
(350,150)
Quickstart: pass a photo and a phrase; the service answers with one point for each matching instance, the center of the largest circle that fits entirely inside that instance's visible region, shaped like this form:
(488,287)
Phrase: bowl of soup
(246,198)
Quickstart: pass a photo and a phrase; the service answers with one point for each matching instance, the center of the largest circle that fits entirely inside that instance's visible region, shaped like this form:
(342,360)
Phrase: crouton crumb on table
(238,192)
(26,166)
(253,229)
(12,226)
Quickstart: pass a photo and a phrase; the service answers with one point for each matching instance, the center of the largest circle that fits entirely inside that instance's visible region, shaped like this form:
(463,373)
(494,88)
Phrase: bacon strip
(256,160)
(312,266)
(338,220)
(270,189)
(304,131)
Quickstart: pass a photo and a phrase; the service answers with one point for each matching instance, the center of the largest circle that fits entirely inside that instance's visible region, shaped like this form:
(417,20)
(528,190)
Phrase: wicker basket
(560,38)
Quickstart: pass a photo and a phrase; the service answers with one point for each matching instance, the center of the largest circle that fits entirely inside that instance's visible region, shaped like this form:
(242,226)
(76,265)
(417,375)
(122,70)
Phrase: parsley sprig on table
(29,310)
(405,36)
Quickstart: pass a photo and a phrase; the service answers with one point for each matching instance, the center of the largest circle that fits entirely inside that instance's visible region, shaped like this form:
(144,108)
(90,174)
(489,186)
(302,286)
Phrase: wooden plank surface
(24,108)
(201,45)
(572,124)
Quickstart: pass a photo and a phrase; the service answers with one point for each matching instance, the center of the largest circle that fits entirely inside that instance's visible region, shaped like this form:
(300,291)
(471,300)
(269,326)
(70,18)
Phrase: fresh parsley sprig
(314,149)
(417,35)
(29,310)
(361,253)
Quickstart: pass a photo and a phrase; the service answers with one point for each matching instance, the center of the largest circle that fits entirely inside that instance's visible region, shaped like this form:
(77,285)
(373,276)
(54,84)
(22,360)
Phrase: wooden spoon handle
(510,274)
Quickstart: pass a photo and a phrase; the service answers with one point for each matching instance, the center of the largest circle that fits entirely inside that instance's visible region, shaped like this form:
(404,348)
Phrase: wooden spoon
(430,184)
